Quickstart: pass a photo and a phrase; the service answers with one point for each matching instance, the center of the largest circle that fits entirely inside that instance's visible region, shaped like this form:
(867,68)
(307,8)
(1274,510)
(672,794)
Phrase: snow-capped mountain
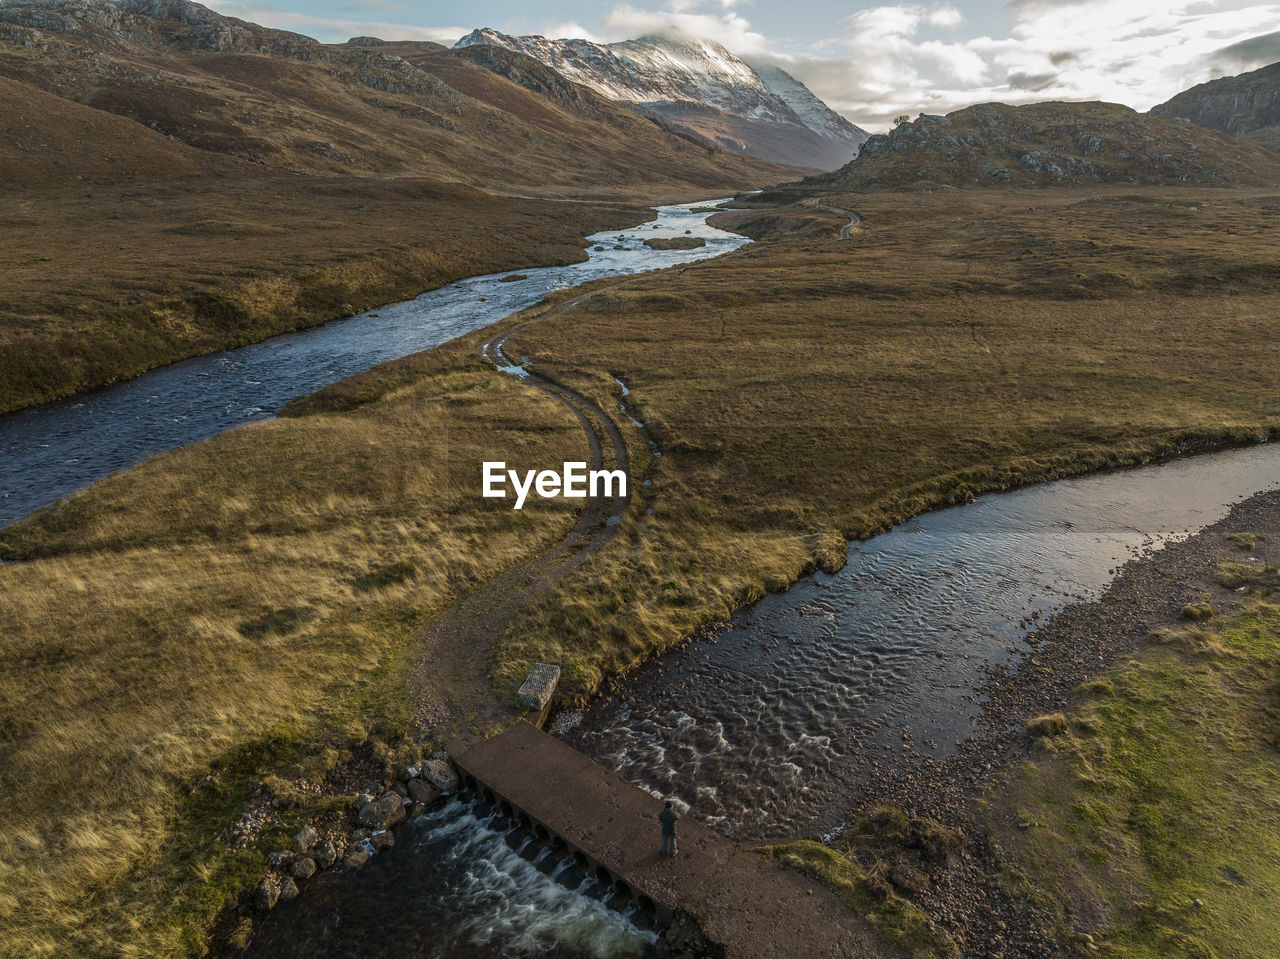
(699,85)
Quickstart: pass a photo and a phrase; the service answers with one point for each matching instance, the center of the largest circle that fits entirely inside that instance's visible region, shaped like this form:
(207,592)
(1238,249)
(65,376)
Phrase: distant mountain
(1247,105)
(1050,144)
(702,87)
(179,89)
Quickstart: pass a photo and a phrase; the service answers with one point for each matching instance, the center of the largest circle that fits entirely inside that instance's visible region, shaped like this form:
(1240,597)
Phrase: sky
(871,62)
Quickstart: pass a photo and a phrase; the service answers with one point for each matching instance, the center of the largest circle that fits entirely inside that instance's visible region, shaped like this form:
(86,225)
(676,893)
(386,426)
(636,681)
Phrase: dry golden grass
(210,609)
(810,389)
(105,282)
(216,599)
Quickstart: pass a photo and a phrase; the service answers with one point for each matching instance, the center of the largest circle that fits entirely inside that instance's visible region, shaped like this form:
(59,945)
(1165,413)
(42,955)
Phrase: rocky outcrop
(1049,144)
(1242,105)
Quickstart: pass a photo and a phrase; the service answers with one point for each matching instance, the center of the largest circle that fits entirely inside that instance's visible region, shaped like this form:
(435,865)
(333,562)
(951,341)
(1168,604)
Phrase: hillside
(1050,144)
(1247,105)
(237,91)
(701,87)
(180,182)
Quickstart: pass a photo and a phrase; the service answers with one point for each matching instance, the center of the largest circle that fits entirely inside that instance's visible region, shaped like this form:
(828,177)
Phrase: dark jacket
(668,819)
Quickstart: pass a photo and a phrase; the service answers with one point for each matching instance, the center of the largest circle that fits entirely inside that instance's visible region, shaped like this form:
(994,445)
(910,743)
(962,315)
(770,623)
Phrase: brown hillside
(1050,144)
(284,101)
(48,139)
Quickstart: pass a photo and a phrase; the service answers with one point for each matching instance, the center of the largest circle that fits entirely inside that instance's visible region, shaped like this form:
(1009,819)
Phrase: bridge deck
(742,900)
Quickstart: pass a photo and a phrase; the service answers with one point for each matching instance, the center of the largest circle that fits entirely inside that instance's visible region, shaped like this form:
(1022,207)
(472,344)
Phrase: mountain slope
(218,89)
(1050,144)
(1247,105)
(701,86)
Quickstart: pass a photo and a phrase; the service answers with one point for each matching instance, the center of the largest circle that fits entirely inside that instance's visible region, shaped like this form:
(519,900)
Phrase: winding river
(51,450)
(763,730)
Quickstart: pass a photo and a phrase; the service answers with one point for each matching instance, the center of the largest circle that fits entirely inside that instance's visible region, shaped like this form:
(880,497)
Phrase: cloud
(334,29)
(570,31)
(1246,54)
(894,59)
(946,17)
(729,29)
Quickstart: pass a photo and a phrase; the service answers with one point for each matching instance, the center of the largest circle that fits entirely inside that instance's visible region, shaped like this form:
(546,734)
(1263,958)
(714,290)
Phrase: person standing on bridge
(668,818)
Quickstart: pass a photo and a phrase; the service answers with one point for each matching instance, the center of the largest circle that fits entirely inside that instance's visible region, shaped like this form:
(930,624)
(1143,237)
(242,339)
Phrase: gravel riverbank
(1083,639)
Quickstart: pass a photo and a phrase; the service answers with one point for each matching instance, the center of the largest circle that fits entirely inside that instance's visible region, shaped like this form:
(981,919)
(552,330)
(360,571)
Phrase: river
(771,728)
(51,450)
(768,728)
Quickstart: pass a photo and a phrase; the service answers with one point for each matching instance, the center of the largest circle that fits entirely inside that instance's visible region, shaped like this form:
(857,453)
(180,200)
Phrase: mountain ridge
(1244,105)
(1049,144)
(702,86)
(224,94)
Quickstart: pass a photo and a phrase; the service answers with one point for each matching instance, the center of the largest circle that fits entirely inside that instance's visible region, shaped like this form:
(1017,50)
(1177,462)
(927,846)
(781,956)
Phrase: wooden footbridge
(744,903)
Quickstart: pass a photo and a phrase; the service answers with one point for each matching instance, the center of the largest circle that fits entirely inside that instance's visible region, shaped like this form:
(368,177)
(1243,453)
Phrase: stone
(288,889)
(326,854)
(416,810)
(305,838)
(267,894)
(539,686)
(409,772)
(441,774)
(364,799)
(382,840)
(357,859)
(421,791)
(400,789)
(359,835)
(383,812)
(303,867)
(279,858)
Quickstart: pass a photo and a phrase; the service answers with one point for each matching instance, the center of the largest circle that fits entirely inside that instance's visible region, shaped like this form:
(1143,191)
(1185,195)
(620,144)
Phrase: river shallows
(767,731)
(49,451)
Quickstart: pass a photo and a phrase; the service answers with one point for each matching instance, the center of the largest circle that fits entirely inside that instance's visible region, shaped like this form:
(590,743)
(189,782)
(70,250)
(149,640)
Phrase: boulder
(400,789)
(382,840)
(357,859)
(288,889)
(305,838)
(279,858)
(303,867)
(384,812)
(421,791)
(539,686)
(416,810)
(326,854)
(440,774)
(267,894)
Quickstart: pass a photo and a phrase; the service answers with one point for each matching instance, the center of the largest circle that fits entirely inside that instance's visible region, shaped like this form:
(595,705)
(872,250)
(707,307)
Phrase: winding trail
(846,231)
(450,684)
(854,220)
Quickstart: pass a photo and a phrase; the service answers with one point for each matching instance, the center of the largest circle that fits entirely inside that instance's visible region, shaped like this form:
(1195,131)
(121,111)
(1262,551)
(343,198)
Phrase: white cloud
(728,29)
(571,30)
(894,61)
(946,17)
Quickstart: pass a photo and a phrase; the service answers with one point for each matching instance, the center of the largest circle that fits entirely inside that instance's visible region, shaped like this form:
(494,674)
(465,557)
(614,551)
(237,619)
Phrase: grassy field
(810,389)
(1155,814)
(247,605)
(108,281)
(177,634)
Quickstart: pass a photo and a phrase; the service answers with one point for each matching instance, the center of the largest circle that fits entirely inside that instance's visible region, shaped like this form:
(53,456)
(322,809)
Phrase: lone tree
(901,119)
